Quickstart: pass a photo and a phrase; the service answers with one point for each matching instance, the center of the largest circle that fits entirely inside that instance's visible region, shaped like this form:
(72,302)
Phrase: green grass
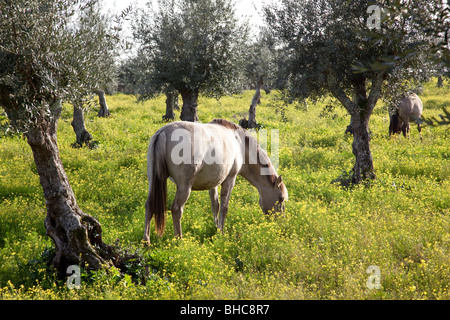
(321,249)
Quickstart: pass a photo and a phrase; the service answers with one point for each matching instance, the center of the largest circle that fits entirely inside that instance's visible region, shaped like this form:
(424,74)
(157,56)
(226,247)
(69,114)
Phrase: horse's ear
(278,182)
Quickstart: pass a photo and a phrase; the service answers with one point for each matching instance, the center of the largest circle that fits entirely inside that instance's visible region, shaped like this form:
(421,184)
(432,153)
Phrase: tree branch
(339,93)
(375,91)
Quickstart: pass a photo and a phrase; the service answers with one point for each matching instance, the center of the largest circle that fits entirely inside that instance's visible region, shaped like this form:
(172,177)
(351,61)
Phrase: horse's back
(410,108)
(213,149)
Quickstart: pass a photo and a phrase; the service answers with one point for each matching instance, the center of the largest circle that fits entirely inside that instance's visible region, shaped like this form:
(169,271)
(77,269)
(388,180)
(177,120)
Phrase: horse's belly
(210,176)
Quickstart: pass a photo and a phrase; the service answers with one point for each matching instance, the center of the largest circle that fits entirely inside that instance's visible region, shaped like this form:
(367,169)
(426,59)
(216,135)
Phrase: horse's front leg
(181,197)
(213,194)
(227,187)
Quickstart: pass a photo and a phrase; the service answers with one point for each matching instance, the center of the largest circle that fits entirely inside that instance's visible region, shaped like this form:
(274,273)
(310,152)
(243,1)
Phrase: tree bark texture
(190,104)
(171,102)
(255,101)
(349,128)
(82,135)
(363,169)
(104,110)
(77,236)
(363,107)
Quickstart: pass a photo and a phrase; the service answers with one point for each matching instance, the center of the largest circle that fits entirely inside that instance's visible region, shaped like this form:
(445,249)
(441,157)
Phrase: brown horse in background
(409,109)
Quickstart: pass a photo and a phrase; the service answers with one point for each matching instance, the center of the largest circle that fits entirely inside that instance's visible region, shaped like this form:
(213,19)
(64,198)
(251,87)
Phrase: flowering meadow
(322,248)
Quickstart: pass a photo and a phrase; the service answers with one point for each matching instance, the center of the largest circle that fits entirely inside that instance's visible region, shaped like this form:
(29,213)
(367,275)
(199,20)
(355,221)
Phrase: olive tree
(352,51)
(261,71)
(191,46)
(100,25)
(46,57)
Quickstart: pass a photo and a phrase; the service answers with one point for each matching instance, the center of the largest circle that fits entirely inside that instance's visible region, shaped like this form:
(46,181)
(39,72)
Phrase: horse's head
(272,199)
(394,124)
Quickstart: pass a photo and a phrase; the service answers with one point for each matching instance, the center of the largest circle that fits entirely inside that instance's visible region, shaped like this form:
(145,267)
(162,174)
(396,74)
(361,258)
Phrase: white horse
(201,157)
(409,109)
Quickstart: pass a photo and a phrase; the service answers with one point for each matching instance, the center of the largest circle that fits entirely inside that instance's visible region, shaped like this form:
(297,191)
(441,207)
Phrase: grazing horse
(201,157)
(409,109)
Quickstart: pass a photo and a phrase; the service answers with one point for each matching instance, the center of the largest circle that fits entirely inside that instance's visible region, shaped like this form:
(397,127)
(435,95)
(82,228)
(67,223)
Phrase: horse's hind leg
(213,194)
(181,197)
(405,129)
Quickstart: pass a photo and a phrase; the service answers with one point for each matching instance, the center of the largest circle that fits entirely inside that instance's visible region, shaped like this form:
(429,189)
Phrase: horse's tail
(157,175)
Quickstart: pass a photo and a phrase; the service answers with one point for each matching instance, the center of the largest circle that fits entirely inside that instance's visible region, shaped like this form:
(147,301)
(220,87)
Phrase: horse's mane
(261,153)
(226,124)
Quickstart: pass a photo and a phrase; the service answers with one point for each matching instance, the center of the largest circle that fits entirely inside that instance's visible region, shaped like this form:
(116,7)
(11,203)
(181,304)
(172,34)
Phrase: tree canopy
(331,47)
(332,38)
(190,46)
(50,50)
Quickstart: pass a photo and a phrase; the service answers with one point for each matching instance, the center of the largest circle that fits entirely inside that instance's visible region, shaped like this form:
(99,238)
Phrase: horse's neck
(253,170)
(258,175)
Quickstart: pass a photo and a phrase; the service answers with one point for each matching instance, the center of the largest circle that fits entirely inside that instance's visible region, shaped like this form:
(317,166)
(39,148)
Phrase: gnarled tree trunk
(255,101)
(190,104)
(360,108)
(82,135)
(360,111)
(171,103)
(363,169)
(77,236)
(104,110)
